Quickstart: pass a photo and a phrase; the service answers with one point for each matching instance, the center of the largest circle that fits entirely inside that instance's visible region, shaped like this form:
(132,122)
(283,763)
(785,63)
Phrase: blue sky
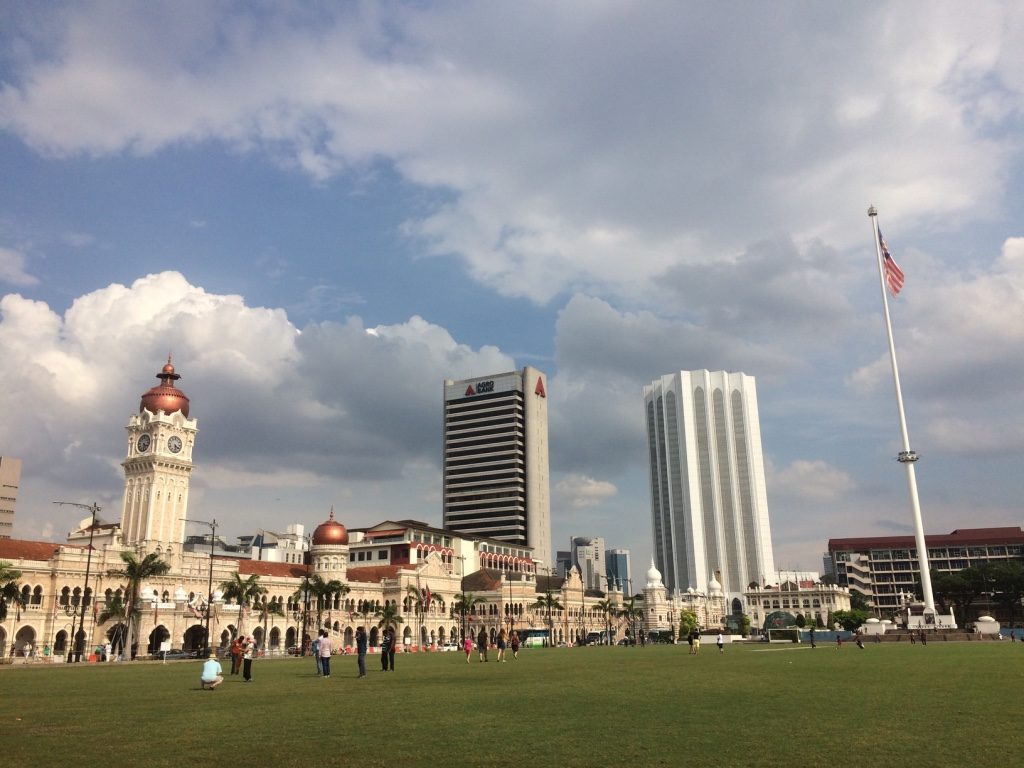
(324,211)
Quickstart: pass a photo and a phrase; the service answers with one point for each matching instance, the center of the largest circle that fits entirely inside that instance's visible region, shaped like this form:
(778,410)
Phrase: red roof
(371,574)
(961,537)
(265,568)
(20,549)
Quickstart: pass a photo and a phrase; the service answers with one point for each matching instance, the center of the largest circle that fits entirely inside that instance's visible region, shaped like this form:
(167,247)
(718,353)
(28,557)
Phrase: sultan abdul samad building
(416,567)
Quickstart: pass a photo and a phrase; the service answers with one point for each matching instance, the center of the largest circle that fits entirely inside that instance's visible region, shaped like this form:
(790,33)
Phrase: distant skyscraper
(616,562)
(563,562)
(588,556)
(10,477)
(709,504)
(496,481)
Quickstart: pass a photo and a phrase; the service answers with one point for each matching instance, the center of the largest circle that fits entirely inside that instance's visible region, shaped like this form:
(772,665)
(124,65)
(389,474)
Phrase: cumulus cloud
(330,406)
(580,491)
(562,171)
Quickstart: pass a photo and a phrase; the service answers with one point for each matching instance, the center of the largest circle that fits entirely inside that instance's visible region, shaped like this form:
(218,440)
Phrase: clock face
(143,444)
(174,444)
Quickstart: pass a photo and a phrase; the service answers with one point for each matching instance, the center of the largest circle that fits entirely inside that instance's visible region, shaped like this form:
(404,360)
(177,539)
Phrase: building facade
(885,569)
(709,502)
(496,480)
(68,589)
(10,477)
(617,569)
(808,598)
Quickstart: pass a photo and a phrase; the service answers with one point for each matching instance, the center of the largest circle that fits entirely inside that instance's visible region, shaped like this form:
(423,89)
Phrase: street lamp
(209,590)
(94,508)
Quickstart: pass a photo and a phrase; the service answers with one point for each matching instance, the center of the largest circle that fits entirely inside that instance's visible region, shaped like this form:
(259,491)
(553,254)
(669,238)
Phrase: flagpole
(906,457)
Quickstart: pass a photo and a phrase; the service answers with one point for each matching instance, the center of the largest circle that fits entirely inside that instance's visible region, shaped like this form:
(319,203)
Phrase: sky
(322,211)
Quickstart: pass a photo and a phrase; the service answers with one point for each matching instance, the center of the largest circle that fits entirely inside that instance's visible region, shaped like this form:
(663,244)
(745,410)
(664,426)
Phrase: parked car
(178,653)
(447,647)
(294,650)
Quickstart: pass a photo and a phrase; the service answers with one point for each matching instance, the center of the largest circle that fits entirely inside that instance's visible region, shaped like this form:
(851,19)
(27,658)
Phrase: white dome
(714,586)
(653,576)
(179,593)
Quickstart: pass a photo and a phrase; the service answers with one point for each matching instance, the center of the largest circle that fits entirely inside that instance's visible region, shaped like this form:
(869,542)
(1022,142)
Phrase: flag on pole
(427,596)
(893,273)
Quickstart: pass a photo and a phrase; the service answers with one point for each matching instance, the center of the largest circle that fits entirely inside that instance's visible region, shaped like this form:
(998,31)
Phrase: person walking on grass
(720,642)
(236,654)
(315,647)
(361,650)
(481,645)
(387,650)
(515,644)
(212,674)
(467,646)
(325,653)
(501,645)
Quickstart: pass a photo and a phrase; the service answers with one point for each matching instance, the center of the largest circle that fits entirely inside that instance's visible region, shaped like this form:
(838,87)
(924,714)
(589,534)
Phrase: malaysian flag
(893,273)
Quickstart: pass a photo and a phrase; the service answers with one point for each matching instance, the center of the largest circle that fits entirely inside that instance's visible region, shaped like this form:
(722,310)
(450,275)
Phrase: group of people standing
(242,650)
(323,648)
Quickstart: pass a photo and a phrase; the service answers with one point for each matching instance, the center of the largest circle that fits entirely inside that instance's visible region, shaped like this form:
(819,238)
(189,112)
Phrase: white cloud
(581,491)
(811,480)
(12,268)
(563,172)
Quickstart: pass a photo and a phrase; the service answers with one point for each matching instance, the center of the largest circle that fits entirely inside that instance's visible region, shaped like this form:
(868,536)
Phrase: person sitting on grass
(212,674)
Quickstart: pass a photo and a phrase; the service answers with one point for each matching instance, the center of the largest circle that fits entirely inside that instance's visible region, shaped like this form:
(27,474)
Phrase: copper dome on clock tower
(330,532)
(165,396)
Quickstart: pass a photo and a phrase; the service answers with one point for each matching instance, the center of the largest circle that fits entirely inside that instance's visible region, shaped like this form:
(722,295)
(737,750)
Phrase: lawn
(944,704)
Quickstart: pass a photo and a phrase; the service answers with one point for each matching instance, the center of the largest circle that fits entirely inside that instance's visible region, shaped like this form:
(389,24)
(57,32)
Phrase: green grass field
(946,704)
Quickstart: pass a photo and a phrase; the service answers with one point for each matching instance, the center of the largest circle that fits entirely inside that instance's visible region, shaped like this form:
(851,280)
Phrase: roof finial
(332,513)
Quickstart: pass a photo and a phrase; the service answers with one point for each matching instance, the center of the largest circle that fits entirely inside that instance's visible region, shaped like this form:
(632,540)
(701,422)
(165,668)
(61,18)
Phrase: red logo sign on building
(539,389)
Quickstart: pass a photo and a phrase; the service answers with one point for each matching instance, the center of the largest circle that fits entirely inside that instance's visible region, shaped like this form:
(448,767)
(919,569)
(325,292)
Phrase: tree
(801,620)
(464,603)
(858,602)
(608,608)
(1007,580)
(687,623)
(389,616)
(632,613)
(137,571)
(116,610)
(850,620)
(10,592)
(549,602)
(418,605)
(266,610)
(323,590)
(244,592)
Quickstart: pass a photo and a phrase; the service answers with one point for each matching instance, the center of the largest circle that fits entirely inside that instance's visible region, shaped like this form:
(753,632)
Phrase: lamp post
(94,508)
(209,589)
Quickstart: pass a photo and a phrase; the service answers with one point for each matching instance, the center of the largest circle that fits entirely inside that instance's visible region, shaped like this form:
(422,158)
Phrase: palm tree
(464,603)
(9,590)
(389,616)
(266,609)
(323,591)
(115,609)
(549,602)
(136,571)
(632,612)
(608,609)
(244,592)
(419,606)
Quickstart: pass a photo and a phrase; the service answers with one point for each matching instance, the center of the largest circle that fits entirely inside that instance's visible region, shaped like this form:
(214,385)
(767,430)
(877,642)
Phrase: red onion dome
(330,532)
(165,396)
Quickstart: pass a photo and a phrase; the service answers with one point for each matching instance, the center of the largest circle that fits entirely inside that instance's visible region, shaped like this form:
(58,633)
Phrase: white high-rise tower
(709,504)
(158,467)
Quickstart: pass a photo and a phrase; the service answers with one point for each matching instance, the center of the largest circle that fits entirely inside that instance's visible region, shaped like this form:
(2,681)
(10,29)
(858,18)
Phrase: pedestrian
(212,674)
(325,653)
(501,645)
(839,641)
(813,644)
(108,652)
(696,642)
(859,639)
(46,653)
(361,650)
(481,645)
(248,647)
(515,644)
(913,637)
(315,647)
(924,638)
(387,650)
(27,652)
(689,641)
(467,646)
(236,654)
(720,642)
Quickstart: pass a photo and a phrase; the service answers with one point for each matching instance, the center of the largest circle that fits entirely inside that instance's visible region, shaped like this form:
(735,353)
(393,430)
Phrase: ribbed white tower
(709,504)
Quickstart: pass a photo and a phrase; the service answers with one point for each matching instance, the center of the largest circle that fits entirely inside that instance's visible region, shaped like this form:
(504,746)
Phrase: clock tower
(158,467)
